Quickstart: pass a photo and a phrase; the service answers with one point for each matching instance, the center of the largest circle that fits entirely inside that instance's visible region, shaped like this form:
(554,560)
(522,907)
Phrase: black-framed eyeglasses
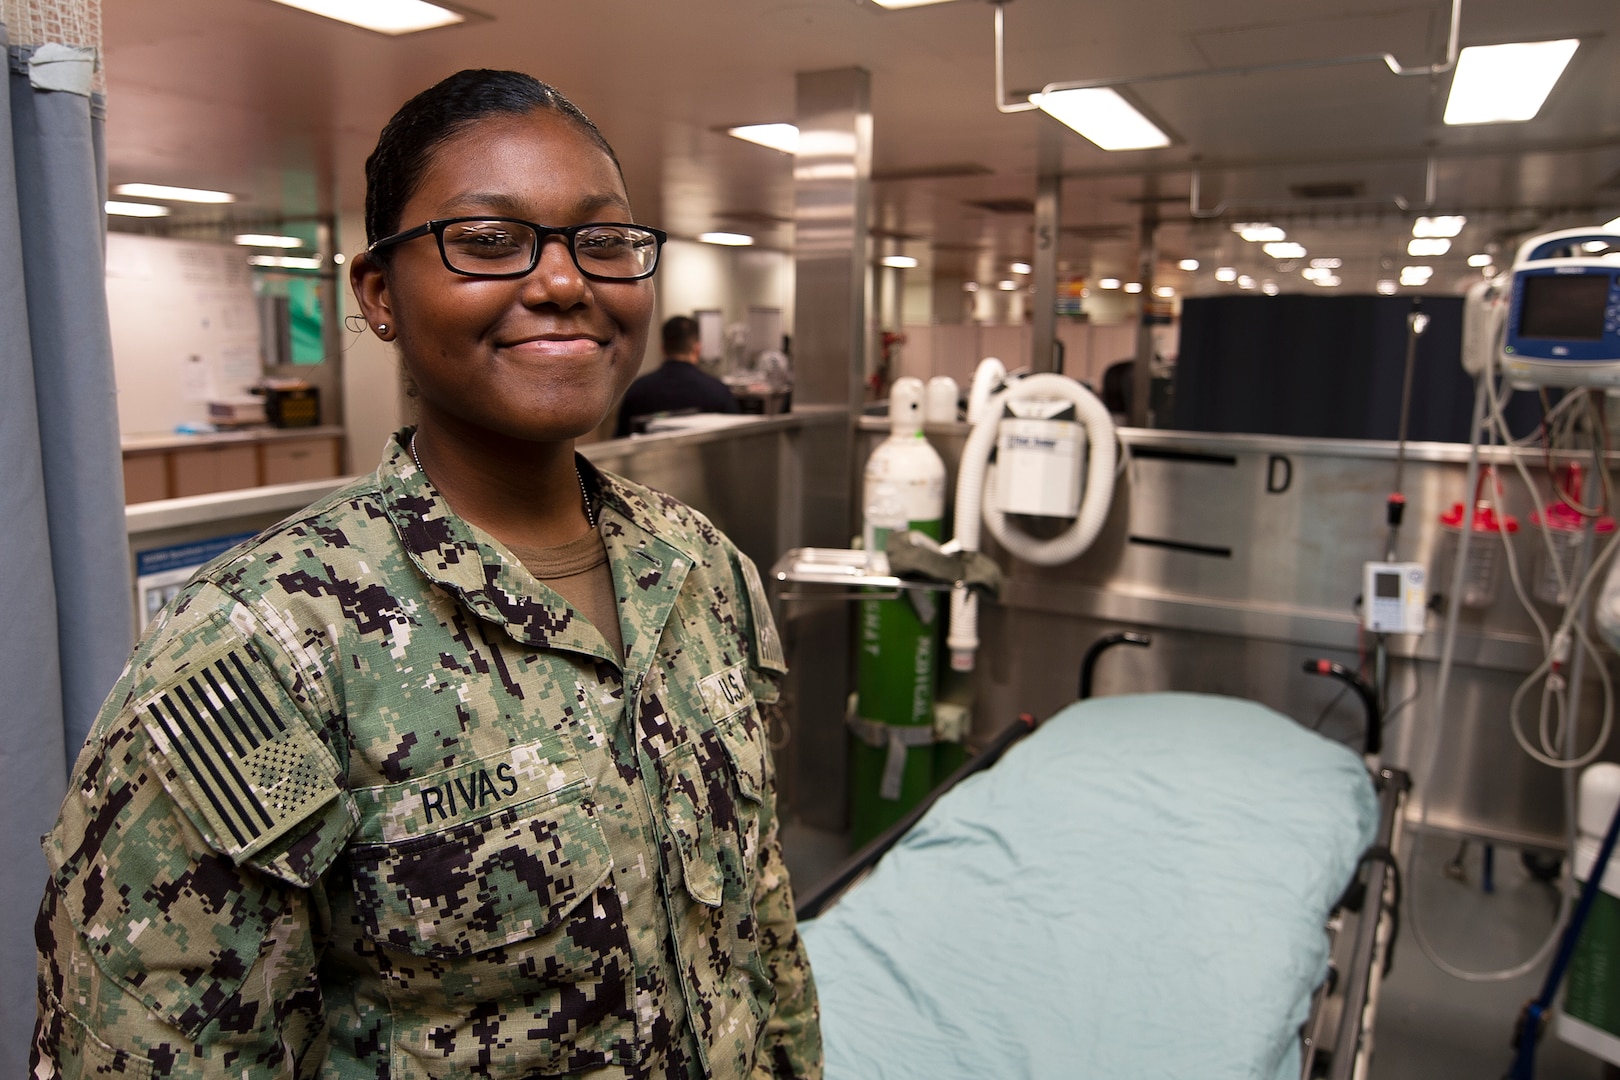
(497,247)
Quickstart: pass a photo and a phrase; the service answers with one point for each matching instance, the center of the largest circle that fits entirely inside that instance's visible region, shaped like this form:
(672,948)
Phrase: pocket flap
(492,881)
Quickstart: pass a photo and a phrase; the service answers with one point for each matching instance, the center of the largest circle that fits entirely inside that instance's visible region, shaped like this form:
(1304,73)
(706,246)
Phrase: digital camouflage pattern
(370,801)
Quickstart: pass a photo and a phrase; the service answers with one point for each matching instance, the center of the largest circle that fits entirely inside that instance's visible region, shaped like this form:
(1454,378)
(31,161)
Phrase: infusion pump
(1554,318)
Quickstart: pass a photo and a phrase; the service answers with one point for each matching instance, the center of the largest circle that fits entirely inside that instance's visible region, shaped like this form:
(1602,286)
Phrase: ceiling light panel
(1439,226)
(895,5)
(780,137)
(174,194)
(726,239)
(1418,247)
(1103,116)
(391,17)
(266,240)
(900,262)
(1284,250)
(136,209)
(1497,84)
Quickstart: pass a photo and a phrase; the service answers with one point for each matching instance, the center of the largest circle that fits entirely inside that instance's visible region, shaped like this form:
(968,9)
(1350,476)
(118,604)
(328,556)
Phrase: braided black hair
(406,145)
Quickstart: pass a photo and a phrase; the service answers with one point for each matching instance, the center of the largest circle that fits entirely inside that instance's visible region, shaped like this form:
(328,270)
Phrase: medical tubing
(1447,659)
(972,486)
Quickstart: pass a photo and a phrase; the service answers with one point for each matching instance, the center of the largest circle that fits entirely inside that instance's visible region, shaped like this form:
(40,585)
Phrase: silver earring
(382,328)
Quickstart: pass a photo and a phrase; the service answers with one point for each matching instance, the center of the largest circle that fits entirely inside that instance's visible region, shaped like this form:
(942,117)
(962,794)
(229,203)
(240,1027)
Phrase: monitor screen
(1563,307)
(1387,586)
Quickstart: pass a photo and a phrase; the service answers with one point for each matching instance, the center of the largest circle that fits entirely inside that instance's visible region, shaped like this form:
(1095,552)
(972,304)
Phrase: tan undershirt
(578,571)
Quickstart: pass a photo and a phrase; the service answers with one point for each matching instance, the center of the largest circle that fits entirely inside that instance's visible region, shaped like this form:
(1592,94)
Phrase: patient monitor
(1554,318)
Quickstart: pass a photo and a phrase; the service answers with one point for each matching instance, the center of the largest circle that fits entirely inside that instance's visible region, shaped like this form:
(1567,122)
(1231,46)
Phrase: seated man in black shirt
(678,386)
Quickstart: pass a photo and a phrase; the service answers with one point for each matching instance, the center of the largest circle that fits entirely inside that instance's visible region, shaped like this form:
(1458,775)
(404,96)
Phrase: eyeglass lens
(507,247)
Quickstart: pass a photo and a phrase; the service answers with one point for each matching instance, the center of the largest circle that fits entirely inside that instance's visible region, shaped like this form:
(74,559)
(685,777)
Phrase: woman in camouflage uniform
(461,771)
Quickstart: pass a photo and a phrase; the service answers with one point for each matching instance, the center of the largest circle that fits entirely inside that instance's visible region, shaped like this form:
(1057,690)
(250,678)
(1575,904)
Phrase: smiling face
(540,358)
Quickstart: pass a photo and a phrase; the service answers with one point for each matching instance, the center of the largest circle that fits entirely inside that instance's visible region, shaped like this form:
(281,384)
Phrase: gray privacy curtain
(65,594)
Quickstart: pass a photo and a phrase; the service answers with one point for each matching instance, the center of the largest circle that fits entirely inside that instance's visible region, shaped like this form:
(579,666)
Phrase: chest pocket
(713,787)
(497,875)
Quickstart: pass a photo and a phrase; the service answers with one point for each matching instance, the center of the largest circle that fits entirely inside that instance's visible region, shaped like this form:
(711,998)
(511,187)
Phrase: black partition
(1325,367)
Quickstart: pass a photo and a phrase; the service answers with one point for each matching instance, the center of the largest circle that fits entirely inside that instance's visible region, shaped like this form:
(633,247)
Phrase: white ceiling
(281,107)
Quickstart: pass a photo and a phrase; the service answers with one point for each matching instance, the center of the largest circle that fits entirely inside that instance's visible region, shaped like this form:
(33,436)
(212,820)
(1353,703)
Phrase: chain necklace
(584,495)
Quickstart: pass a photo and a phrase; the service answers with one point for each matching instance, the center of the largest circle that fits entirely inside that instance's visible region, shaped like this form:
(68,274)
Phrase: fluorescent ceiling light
(1225,273)
(1019,268)
(285,262)
(1259,232)
(1386,288)
(1326,264)
(391,17)
(1188,265)
(1163,292)
(1497,84)
(1007,286)
(1439,226)
(1481,259)
(1245,282)
(1133,286)
(136,209)
(727,239)
(1102,116)
(897,4)
(781,137)
(174,194)
(1416,275)
(1108,283)
(1270,288)
(1285,250)
(1329,281)
(900,262)
(1421,246)
(266,240)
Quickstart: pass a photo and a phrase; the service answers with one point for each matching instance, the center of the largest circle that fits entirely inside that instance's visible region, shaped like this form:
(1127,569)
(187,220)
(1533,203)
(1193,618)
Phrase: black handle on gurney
(864,859)
(1374,742)
(1100,646)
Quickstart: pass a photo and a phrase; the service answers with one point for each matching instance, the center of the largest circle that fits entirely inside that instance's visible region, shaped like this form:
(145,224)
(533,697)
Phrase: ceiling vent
(1004,206)
(1329,189)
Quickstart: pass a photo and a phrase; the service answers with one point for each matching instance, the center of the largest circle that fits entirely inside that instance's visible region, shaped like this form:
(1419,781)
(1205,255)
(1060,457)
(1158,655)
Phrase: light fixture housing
(783,138)
(1505,84)
(391,17)
(168,193)
(1421,246)
(726,239)
(136,209)
(1102,115)
(267,240)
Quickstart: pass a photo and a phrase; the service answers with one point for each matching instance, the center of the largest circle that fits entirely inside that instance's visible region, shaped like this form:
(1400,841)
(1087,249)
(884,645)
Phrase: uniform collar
(651,547)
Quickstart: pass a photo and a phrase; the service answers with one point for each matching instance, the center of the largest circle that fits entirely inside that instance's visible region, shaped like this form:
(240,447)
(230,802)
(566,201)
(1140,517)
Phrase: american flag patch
(251,773)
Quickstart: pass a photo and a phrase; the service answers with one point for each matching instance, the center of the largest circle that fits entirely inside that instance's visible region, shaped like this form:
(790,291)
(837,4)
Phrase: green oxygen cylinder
(892,752)
(1591,1014)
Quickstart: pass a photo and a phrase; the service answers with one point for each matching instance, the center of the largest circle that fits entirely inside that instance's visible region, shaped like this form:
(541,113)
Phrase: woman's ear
(370,285)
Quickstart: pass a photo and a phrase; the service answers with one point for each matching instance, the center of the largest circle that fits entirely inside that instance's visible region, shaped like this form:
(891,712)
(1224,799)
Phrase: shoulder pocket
(245,759)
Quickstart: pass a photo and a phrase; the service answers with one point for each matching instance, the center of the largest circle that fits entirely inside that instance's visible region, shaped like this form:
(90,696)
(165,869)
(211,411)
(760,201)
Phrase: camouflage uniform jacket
(371,801)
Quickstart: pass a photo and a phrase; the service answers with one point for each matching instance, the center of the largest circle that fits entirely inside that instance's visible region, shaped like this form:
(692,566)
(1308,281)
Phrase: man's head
(682,340)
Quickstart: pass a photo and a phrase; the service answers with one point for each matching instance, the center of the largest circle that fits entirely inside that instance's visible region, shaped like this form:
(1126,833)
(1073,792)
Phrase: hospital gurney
(1150,885)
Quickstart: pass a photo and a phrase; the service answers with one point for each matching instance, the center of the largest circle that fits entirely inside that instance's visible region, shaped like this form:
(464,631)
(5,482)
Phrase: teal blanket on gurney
(1138,889)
